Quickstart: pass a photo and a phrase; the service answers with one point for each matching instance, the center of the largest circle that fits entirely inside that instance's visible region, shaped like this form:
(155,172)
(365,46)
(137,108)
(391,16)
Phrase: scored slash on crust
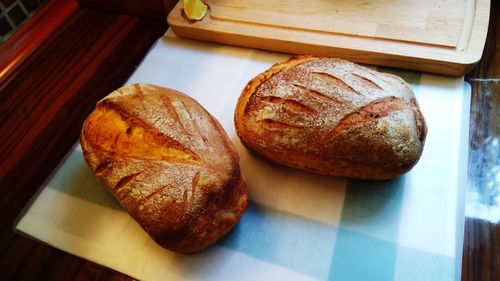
(332,116)
(317,94)
(168,162)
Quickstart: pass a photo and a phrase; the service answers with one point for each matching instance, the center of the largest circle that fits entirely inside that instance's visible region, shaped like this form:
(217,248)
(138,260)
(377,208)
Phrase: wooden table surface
(52,74)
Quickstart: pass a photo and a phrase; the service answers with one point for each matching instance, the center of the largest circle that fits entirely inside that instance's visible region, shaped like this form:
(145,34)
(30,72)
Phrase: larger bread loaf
(168,162)
(332,117)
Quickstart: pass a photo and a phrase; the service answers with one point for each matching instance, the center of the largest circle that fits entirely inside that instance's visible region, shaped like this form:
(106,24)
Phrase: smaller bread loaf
(168,162)
(332,117)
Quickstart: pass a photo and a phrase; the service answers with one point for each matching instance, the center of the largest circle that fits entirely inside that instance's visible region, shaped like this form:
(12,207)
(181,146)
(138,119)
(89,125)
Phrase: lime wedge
(194,9)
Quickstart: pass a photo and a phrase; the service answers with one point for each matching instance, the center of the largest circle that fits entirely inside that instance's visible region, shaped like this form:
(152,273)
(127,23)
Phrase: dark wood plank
(481,259)
(42,107)
(32,34)
(481,250)
(489,65)
(147,8)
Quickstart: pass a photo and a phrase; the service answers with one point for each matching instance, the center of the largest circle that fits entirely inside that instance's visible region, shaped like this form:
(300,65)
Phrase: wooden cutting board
(440,36)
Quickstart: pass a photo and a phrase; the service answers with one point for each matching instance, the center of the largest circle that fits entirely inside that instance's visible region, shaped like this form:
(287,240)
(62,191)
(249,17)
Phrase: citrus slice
(194,9)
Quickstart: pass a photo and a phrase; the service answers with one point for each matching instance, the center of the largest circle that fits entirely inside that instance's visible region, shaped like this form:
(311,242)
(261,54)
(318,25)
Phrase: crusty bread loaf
(333,117)
(168,162)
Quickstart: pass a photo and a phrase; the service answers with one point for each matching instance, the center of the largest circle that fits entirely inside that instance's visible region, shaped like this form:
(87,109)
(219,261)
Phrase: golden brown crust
(332,117)
(168,162)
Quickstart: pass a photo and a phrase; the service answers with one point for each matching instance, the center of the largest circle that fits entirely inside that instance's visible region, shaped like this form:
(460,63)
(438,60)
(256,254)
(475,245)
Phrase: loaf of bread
(332,117)
(168,162)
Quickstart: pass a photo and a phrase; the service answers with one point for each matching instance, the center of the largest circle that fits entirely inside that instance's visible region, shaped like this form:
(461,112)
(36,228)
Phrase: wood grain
(42,107)
(145,8)
(31,35)
(489,66)
(425,39)
(425,21)
(481,258)
(481,250)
